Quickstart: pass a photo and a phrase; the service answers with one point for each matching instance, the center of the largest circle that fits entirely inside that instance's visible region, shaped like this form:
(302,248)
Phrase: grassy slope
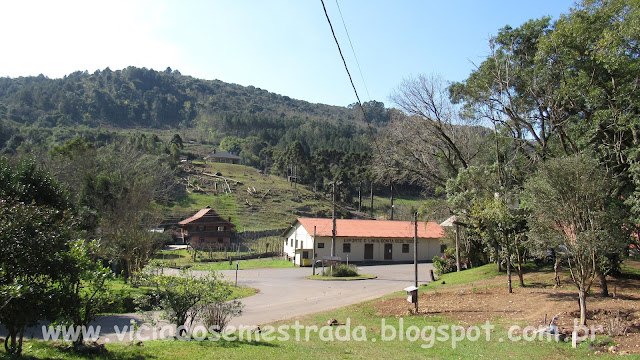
(278,209)
(281,205)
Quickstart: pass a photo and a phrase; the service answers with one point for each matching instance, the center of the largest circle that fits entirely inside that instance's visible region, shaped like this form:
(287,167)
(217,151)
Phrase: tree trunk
(519,255)
(556,267)
(509,267)
(582,295)
(604,289)
(360,196)
(371,210)
(498,257)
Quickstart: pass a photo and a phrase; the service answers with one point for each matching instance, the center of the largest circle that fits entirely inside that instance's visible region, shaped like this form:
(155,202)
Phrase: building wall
(427,248)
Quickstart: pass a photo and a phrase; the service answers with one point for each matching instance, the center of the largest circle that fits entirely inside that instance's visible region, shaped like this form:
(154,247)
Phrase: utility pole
(391,201)
(371,209)
(415,255)
(313,252)
(333,219)
(457,244)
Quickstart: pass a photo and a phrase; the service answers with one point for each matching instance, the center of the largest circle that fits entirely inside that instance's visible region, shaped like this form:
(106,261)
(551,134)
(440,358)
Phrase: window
(201,240)
(220,240)
(222,228)
(320,245)
(346,247)
(200,228)
(443,248)
(296,244)
(405,248)
(305,254)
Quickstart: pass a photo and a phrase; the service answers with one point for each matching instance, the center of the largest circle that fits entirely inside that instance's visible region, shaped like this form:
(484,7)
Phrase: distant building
(206,229)
(363,241)
(224,157)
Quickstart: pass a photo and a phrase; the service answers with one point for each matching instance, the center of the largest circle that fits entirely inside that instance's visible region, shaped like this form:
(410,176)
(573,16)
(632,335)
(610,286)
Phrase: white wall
(427,248)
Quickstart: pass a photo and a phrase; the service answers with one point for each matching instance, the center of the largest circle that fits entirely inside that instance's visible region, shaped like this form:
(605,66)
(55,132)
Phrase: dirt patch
(619,316)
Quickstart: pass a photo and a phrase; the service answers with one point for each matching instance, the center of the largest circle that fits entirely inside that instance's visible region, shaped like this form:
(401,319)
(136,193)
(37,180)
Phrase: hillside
(252,200)
(140,97)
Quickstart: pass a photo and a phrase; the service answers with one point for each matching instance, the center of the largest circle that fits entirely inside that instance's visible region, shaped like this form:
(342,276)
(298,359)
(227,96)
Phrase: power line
(351,79)
(353,50)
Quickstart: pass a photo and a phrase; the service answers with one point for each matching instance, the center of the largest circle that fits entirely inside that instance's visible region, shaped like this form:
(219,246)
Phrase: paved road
(284,294)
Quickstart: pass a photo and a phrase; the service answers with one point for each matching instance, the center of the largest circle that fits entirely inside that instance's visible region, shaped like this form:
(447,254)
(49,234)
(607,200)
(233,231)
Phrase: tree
(89,286)
(516,90)
(176,139)
(428,142)
(572,205)
(184,298)
(37,231)
(595,50)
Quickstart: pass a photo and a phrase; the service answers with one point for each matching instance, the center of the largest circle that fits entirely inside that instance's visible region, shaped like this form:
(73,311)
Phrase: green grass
(182,258)
(484,272)
(244,264)
(281,204)
(118,285)
(363,317)
(631,268)
(341,278)
(125,295)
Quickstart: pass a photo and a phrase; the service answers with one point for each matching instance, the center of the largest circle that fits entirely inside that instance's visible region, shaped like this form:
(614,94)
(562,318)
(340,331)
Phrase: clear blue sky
(283,46)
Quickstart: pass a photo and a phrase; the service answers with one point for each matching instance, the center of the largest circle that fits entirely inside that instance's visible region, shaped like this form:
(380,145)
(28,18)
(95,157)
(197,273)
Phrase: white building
(362,241)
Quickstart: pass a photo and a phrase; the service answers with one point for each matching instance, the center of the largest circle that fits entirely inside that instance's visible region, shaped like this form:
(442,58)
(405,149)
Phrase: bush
(343,270)
(218,314)
(446,263)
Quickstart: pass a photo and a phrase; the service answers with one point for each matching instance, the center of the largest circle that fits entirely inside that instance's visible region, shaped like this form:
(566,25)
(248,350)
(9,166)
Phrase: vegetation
(186,299)
(44,266)
(572,212)
(535,153)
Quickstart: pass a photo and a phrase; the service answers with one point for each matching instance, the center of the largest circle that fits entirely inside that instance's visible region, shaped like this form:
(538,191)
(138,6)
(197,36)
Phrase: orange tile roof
(206,212)
(372,228)
(197,216)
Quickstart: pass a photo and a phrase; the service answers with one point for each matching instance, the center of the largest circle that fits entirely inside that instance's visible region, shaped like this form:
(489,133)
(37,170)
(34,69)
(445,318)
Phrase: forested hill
(145,98)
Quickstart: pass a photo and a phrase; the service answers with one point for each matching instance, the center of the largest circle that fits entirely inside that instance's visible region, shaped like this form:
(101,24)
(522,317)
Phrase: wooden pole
(313,252)
(391,201)
(333,219)
(457,246)
(415,256)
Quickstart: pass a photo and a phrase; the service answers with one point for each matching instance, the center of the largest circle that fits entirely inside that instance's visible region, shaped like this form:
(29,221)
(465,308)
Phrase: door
(388,251)
(368,251)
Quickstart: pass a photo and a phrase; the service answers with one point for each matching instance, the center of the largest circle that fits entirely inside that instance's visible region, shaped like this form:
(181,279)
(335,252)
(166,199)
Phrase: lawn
(243,264)
(371,337)
(124,301)
(341,278)
(182,258)
(372,329)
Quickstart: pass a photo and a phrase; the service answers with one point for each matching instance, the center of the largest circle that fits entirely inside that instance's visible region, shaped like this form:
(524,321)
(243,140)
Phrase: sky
(283,46)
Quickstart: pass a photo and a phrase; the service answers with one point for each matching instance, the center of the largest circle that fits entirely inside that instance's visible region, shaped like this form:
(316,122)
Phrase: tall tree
(37,230)
(572,205)
(428,142)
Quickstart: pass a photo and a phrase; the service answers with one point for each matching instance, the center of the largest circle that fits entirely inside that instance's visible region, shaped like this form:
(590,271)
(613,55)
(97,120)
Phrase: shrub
(218,314)
(343,270)
(446,263)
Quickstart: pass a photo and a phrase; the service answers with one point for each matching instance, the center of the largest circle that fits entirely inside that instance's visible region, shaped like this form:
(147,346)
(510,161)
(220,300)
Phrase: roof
(206,212)
(225,155)
(450,221)
(372,228)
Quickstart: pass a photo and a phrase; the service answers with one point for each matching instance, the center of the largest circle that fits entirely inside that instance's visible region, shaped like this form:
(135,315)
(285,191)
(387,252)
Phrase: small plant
(343,270)
(218,314)
(446,263)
